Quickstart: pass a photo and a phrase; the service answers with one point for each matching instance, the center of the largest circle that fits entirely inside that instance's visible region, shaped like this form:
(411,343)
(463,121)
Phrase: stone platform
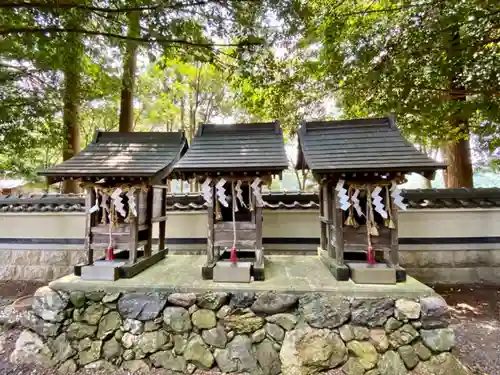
(284,273)
(299,321)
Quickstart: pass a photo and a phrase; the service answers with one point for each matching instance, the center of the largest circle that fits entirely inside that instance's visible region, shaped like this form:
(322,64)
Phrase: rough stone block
(53,258)
(35,273)
(78,256)
(24,257)
(7,272)
(236,338)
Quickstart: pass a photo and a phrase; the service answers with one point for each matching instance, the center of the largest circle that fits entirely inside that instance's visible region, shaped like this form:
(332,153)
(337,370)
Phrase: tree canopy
(70,67)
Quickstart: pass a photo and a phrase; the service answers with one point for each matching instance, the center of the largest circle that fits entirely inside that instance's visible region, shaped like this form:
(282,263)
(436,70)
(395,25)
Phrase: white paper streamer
(377,202)
(131,201)
(95,207)
(221,193)
(239,193)
(117,202)
(355,203)
(207,192)
(104,202)
(396,196)
(257,192)
(342,195)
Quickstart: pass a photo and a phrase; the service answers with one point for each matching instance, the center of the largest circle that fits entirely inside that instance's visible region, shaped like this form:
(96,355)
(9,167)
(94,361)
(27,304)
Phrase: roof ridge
(360,122)
(138,136)
(238,127)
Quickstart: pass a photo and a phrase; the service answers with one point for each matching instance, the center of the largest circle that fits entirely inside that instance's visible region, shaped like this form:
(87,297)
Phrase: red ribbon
(110,253)
(233,258)
(371,255)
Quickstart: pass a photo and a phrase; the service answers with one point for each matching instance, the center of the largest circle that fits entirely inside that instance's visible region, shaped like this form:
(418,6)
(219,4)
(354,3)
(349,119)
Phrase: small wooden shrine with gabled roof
(125,179)
(233,162)
(358,164)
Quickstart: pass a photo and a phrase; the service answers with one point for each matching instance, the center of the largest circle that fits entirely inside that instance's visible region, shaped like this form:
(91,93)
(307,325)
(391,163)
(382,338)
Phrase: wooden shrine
(125,180)
(232,162)
(358,165)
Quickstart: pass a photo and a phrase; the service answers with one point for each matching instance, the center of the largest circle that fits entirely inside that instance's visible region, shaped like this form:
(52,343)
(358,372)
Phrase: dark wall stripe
(43,241)
(184,241)
(268,241)
(448,240)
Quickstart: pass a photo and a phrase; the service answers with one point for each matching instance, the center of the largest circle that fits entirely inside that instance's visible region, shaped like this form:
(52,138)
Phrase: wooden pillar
(338,231)
(322,214)
(332,253)
(90,222)
(394,237)
(251,202)
(133,225)
(259,251)
(258,266)
(210,229)
(148,249)
(163,224)
(328,195)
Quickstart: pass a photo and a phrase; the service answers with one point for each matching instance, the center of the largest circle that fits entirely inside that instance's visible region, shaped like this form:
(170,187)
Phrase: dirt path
(476,319)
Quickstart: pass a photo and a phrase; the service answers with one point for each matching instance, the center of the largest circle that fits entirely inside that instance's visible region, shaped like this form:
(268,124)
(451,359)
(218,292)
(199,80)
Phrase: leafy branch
(61,5)
(145,39)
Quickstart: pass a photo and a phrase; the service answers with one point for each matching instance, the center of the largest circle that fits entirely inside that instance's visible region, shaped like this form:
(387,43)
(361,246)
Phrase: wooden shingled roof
(360,145)
(257,147)
(128,155)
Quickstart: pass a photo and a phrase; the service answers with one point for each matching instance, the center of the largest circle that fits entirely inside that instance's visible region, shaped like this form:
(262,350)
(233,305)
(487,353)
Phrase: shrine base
(168,317)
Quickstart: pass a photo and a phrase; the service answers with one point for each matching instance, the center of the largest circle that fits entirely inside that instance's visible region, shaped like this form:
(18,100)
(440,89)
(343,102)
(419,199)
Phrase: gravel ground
(476,319)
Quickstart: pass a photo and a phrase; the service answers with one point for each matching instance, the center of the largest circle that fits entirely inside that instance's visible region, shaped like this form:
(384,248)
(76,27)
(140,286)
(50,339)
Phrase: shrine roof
(128,155)
(360,145)
(256,147)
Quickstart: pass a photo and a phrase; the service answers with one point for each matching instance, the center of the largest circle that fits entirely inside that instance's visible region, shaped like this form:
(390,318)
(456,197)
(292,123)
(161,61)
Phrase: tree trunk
(305,175)
(183,109)
(458,155)
(444,155)
(459,172)
(128,79)
(71,101)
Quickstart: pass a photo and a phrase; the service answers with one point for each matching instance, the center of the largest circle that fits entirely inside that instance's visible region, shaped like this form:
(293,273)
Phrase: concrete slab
(104,270)
(226,272)
(379,273)
(284,273)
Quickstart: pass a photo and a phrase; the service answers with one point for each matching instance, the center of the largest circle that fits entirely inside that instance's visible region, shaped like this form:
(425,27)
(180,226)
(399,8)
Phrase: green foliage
(428,61)
(38,40)
(281,88)
(175,94)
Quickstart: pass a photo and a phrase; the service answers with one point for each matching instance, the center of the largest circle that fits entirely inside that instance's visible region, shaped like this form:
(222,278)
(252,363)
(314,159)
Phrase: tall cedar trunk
(128,79)
(183,114)
(459,173)
(71,100)
(458,156)
(444,154)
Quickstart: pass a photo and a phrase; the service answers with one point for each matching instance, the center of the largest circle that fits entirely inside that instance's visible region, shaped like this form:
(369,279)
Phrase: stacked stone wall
(261,334)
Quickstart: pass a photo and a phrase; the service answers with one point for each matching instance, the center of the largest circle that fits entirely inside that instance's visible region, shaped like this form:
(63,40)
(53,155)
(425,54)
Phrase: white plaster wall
(291,223)
(449,223)
(285,223)
(453,263)
(182,224)
(42,225)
